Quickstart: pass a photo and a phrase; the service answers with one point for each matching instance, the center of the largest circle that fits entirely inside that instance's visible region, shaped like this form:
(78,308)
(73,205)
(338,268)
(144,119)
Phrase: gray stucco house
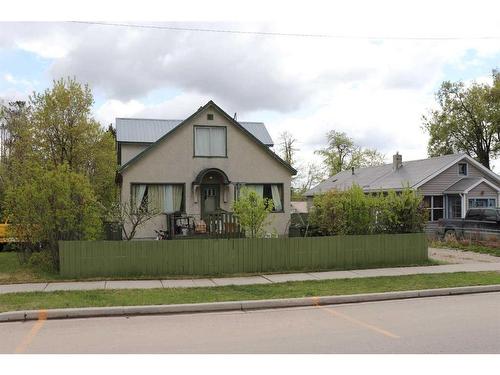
(197,166)
(450,184)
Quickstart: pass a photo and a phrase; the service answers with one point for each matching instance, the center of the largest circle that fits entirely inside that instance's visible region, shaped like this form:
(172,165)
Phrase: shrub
(401,212)
(252,212)
(50,206)
(354,212)
(42,260)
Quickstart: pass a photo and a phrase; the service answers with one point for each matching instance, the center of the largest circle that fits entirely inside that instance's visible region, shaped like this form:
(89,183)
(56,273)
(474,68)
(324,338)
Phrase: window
(482,202)
(273,192)
(475,214)
(210,141)
(462,169)
(210,116)
(167,198)
(490,214)
(434,203)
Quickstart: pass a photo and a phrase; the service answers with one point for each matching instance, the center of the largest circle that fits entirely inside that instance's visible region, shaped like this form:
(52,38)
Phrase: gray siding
(447,178)
(482,191)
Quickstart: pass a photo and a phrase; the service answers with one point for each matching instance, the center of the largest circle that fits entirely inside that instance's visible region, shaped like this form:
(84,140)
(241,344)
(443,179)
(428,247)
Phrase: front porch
(469,192)
(220,224)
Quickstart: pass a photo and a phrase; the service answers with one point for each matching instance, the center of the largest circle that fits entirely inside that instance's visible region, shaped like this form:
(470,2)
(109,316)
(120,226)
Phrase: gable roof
(468,183)
(142,130)
(229,118)
(413,173)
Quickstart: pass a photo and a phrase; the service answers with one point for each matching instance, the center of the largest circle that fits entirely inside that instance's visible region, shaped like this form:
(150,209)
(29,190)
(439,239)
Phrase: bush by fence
(354,212)
(234,256)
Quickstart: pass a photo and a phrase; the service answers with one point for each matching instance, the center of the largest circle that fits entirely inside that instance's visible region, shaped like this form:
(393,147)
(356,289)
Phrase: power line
(268,33)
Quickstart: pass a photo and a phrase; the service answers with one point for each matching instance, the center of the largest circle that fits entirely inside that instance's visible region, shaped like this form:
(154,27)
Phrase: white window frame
(466,169)
(469,199)
(209,141)
(432,208)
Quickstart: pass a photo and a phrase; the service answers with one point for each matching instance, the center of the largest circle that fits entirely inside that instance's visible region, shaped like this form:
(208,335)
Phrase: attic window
(210,116)
(462,169)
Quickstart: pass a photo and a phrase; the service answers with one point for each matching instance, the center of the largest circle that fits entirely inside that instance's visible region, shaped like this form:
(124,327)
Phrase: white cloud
(376,91)
(113,108)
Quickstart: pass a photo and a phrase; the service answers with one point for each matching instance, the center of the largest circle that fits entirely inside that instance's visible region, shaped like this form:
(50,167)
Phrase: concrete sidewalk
(248,280)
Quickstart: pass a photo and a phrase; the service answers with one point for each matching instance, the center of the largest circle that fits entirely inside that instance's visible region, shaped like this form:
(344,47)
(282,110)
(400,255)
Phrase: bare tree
(129,219)
(287,147)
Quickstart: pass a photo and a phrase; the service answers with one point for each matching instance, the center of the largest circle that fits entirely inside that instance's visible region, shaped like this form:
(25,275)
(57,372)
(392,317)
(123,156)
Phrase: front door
(454,206)
(209,199)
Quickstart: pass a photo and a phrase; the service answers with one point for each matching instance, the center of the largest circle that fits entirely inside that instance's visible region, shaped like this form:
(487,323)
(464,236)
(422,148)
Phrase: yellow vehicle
(4,237)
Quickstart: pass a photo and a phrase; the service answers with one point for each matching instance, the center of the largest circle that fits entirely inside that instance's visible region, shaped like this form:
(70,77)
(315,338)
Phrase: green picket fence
(236,256)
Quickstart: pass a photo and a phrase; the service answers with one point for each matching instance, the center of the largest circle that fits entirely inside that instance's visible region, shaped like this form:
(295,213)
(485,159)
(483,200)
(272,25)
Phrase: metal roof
(384,177)
(142,130)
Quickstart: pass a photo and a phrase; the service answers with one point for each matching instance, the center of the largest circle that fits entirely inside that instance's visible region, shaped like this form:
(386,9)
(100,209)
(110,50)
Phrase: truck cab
(478,222)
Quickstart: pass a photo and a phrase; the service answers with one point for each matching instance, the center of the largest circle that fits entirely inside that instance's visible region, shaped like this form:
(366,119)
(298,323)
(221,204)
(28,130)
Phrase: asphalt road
(458,324)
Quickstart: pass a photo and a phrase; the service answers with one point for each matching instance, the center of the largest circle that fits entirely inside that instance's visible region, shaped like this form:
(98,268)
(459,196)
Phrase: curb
(92,312)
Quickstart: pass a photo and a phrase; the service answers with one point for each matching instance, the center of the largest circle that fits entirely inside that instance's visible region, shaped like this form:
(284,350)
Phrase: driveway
(461,257)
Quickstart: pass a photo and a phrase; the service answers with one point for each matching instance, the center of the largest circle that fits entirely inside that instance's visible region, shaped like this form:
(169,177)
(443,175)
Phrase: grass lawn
(465,245)
(11,272)
(99,298)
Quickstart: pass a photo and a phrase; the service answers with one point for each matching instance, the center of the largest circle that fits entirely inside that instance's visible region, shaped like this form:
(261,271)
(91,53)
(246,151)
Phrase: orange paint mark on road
(42,317)
(354,320)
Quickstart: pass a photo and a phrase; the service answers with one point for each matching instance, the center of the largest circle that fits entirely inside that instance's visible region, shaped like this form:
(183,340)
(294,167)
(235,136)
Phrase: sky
(363,79)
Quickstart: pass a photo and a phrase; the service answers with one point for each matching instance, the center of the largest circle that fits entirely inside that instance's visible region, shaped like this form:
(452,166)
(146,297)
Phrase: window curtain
(217,141)
(202,142)
(168,203)
(276,198)
(259,189)
(138,192)
(156,197)
(177,197)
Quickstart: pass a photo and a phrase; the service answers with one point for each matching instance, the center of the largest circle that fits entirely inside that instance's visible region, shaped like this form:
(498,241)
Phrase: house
(450,184)
(197,166)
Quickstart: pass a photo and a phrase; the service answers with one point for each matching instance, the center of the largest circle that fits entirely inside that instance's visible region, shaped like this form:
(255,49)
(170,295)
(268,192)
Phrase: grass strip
(102,298)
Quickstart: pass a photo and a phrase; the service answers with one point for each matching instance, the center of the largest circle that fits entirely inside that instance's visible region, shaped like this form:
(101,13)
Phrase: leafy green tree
(468,120)
(52,205)
(252,212)
(342,153)
(65,132)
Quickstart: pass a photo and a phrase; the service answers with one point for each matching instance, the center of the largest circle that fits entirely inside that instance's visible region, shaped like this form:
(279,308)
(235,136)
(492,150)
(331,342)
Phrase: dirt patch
(460,256)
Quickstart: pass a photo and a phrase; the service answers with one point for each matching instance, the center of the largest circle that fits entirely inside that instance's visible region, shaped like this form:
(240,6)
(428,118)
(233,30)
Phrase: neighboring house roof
(265,147)
(463,184)
(466,184)
(412,173)
(141,130)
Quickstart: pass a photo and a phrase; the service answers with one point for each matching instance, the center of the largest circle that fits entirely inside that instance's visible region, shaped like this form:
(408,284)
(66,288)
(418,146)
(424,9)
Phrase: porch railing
(224,225)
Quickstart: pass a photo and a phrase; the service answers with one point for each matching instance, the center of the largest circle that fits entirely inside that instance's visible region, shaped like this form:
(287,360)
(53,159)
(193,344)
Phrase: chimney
(235,116)
(397,161)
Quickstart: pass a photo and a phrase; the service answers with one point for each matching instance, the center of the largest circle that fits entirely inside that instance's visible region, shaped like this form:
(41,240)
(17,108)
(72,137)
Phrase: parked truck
(478,223)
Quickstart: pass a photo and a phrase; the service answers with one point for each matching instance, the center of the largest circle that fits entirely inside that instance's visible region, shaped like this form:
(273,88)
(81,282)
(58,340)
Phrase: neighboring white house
(450,184)
(197,166)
